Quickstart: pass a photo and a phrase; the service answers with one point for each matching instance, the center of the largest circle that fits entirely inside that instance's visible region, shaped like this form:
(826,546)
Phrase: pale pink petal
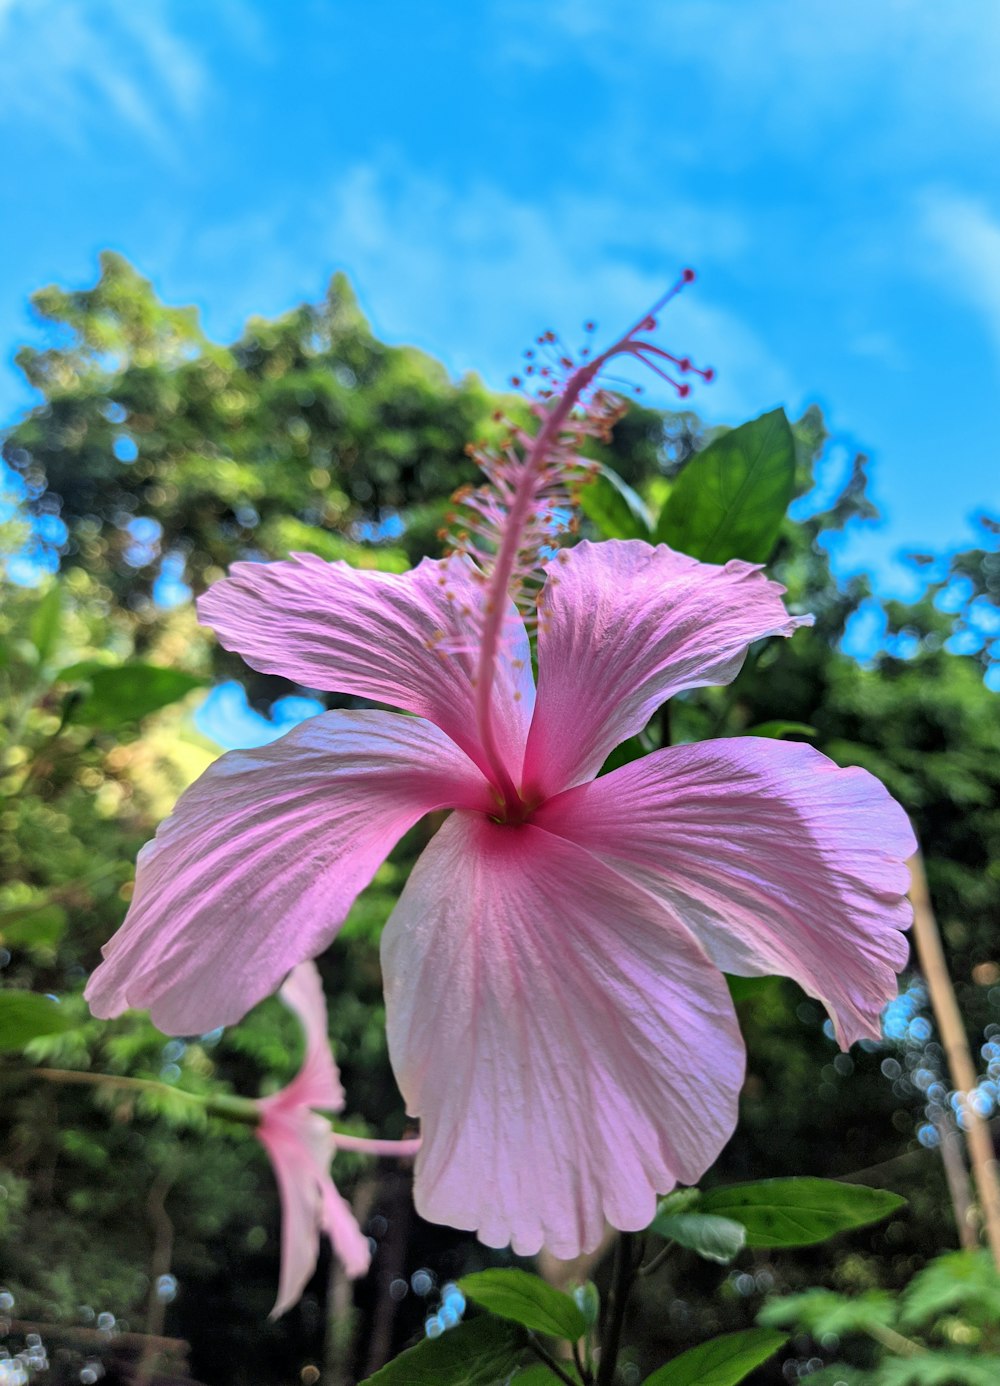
(777,859)
(622,627)
(379,635)
(569,1050)
(263,856)
(301,1208)
(350,1245)
(300,1147)
(317,1083)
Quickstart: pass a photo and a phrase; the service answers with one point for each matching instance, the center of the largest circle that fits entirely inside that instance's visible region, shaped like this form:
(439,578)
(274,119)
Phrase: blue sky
(484,170)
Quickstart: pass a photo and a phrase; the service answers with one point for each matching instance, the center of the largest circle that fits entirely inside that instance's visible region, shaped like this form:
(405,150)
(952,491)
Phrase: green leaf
(965,1282)
(526,1299)
(45,622)
(38,925)
(820,1312)
(730,499)
(747,988)
(714,1238)
(24,1015)
(776,730)
(128,692)
(538,1374)
(722,1361)
(612,505)
(799,1212)
(479,1352)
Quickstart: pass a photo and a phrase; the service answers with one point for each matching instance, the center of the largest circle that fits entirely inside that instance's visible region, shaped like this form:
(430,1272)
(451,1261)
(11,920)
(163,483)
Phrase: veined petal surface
(257,866)
(776,858)
(317,1083)
(378,635)
(570,1050)
(624,625)
(300,1148)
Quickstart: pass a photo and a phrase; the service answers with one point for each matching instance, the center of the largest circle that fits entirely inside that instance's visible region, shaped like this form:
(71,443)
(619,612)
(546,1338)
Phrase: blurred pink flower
(300,1145)
(556,1011)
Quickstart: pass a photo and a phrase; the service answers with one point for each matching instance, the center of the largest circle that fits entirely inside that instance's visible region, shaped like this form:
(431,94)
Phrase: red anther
(708,376)
(683,391)
(515,380)
(529,370)
(687,276)
(649,325)
(684,363)
(637,389)
(590,327)
(529,354)
(566,363)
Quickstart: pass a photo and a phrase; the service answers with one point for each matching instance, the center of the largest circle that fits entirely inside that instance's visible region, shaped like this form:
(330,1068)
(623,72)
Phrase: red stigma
(688,276)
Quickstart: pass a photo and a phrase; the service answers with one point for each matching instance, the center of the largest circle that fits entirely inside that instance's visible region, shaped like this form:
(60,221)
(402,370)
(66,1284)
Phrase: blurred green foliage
(167,457)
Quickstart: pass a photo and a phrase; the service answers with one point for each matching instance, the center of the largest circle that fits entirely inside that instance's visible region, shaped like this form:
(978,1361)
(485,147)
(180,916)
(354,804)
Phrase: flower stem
(622,1276)
(549,1360)
(361,1145)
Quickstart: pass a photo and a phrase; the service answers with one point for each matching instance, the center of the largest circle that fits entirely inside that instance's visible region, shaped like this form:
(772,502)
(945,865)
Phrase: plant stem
(621,1283)
(549,1360)
(956,1048)
(658,1260)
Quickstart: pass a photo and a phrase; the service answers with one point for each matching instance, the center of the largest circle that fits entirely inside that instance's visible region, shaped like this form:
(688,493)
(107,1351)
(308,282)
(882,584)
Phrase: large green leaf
(616,510)
(127,692)
(479,1352)
(24,1015)
(526,1299)
(45,622)
(730,499)
(722,1361)
(799,1212)
(714,1238)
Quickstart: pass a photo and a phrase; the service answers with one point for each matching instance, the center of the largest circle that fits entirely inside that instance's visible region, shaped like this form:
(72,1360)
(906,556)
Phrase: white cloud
(473,275)
(962,236)
(77,69)
(915,71)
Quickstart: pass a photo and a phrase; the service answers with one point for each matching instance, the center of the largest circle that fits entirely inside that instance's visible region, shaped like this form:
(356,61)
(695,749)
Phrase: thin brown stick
(956,1047)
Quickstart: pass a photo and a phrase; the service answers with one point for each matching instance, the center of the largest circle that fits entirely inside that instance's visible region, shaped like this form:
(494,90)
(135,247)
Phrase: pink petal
(622,627)
(350,1245)
(301,1206)
(330,626)
(317,1083)
(300,1148)
(779,861)
(263,856)
(569,1050)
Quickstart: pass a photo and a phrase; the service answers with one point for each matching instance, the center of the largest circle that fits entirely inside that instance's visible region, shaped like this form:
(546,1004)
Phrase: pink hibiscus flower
(300,1145)
(557,1015)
